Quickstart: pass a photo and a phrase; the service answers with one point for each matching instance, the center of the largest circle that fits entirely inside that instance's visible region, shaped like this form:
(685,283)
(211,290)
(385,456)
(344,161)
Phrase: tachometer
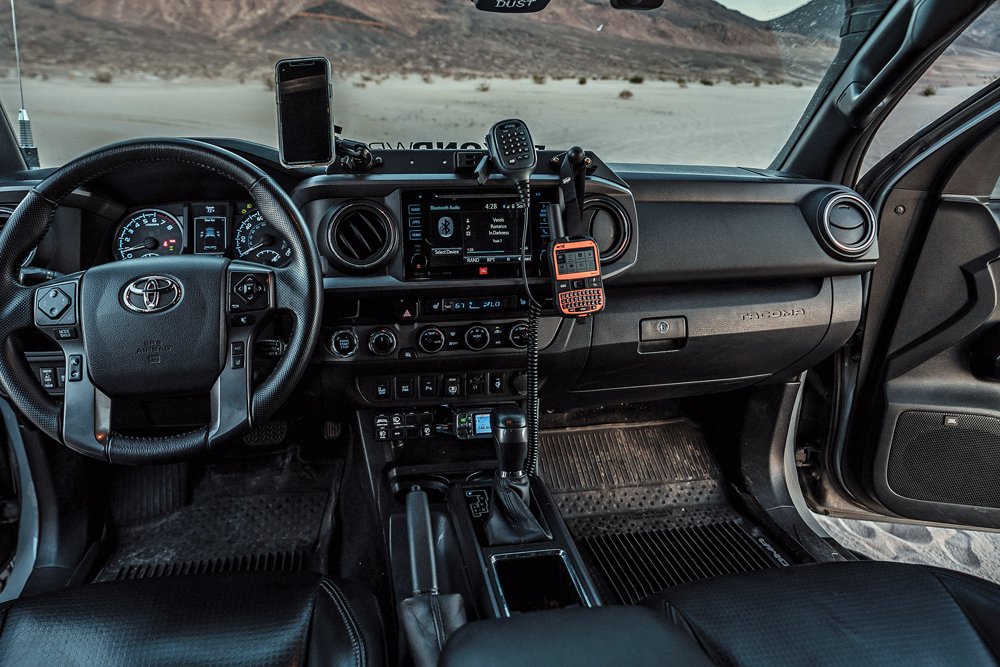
(256,240)
(149,233)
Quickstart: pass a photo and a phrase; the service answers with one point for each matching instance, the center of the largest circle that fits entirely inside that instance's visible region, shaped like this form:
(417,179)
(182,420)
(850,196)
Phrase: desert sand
(662,122)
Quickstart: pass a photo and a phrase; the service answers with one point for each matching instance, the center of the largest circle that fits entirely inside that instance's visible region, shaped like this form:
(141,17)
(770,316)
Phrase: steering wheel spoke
(86,421)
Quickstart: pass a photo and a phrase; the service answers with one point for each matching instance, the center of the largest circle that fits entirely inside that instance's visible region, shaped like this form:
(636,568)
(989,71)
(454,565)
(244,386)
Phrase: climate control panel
(413,341)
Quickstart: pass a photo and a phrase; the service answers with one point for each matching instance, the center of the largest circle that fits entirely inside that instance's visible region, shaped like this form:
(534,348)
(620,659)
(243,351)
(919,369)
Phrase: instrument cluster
(230,228)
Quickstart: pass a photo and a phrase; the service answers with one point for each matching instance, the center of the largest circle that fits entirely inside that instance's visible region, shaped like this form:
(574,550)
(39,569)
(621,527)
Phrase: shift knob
(510,436)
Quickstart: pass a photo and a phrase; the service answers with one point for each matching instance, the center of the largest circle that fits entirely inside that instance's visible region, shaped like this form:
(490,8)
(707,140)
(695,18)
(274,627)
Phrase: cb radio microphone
(512,150)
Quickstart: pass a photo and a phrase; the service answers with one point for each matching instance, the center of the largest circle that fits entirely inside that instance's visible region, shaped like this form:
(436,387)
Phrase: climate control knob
(477,337)
(382,342)
(518,336)
(431,340)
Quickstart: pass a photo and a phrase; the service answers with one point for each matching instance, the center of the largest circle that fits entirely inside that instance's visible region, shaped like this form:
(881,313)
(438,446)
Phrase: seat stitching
(350,610)
(336,596)
(438,621)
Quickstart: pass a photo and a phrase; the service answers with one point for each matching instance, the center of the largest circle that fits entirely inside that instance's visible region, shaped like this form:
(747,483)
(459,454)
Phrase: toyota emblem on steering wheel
(151,294)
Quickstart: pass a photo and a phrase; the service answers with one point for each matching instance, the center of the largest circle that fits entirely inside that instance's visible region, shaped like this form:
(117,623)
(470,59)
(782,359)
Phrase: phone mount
(355,156)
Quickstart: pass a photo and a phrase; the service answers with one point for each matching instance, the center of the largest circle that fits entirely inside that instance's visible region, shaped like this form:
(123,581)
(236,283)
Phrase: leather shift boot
(511,520)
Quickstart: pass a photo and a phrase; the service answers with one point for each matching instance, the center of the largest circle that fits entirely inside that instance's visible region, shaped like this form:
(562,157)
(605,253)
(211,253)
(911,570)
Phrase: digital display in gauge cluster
(233,229)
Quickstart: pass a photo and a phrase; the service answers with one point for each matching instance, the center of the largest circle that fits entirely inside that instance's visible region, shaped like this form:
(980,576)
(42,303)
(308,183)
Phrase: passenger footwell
(647,506)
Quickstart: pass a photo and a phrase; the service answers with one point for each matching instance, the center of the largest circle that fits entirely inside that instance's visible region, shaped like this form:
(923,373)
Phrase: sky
(762,10)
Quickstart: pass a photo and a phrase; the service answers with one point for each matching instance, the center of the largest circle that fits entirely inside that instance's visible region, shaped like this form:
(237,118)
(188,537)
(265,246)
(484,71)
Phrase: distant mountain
(820,19)
(685,38)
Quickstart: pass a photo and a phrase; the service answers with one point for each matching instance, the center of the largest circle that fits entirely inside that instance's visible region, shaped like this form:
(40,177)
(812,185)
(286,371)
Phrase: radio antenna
(25,138)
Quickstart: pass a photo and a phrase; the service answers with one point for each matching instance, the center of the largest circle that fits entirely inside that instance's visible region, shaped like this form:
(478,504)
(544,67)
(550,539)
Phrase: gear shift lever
(510,436)
(511,519)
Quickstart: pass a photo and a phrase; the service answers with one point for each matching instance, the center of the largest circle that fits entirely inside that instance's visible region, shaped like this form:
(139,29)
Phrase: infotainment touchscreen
(471,233)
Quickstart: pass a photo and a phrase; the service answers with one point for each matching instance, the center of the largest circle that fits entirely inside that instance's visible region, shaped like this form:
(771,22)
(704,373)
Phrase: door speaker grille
(949,458)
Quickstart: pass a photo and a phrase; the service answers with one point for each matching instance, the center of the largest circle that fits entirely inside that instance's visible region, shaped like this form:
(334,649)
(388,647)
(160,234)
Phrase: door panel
(925,431)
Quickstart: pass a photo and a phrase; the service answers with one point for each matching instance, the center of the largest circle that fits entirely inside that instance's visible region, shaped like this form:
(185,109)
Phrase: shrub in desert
(426,78)
(929,91)
(756,83)
(682,82)
(636,79)
(483,87)
(102,76)
(626,94)
(538,78)
(707,82)
(268,81)
(582,81)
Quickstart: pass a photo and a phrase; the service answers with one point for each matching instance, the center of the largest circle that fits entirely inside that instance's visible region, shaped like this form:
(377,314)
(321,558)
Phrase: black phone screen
(305,121)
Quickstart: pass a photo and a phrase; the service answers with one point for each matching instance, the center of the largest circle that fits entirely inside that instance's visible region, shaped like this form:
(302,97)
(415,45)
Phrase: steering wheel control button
(519,335)
(53,303)
(477,337)
(383,389)
(431,340)
(382,342)
(65,333)
(249,288)
(452,386)
(48,377)
(74,368)
(343,343)
(243,320)
(428,386)
(238,351)
(248,291)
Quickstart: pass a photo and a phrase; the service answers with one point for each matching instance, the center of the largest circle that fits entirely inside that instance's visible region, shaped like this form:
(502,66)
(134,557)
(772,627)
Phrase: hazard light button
(406,311)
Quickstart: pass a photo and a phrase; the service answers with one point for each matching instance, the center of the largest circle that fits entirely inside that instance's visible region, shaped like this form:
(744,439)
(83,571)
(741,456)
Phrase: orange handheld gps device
(575,267)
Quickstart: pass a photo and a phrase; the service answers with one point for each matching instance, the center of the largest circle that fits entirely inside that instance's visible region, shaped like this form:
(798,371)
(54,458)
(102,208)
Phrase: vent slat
(360,235)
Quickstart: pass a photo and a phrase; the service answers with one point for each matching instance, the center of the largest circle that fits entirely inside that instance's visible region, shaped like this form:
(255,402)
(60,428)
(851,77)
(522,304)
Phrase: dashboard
(715,278)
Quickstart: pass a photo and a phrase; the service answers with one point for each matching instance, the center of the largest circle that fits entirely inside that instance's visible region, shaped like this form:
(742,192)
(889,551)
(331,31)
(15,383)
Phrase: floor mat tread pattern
(647,505)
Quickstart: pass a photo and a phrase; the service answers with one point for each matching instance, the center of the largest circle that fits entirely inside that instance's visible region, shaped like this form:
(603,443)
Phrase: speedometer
(149,233)
(257,241)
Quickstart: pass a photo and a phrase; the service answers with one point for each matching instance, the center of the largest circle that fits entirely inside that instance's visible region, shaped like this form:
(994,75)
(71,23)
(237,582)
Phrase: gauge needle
(148,244)
(252,248)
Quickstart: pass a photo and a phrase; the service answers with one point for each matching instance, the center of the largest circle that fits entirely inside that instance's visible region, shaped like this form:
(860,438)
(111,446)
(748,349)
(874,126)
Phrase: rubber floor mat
(276,517)
(647,505)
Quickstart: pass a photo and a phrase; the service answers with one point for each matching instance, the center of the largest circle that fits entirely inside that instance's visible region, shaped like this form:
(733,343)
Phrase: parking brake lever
(427,617)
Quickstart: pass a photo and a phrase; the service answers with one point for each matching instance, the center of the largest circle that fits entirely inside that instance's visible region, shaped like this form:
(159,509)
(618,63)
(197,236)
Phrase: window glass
(691,82)
(971,63)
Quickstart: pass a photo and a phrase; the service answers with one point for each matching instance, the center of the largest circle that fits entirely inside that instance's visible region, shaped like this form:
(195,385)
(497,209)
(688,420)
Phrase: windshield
(695,81)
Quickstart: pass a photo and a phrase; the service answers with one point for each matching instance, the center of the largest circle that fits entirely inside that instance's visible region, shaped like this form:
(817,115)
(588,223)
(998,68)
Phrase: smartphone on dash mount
(304,91)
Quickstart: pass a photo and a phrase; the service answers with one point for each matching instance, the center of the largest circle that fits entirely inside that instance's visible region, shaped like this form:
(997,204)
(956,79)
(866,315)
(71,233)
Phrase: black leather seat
(857,613)
(276,619)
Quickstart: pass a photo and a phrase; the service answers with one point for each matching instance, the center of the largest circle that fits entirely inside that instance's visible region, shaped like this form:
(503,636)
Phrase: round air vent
(5,213)
(608,224)
(848,224)
(361,237)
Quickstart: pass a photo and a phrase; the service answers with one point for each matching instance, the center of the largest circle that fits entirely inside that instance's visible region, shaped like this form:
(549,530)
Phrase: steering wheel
(156,327)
